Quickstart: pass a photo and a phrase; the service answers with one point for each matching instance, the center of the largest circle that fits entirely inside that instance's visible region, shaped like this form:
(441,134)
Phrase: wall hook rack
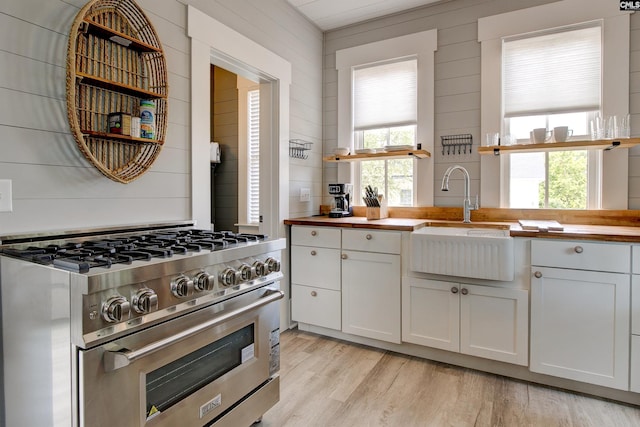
(298,148)
(453,143)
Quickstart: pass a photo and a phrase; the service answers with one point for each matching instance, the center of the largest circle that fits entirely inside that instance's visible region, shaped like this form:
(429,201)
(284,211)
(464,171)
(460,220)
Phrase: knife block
(378,212)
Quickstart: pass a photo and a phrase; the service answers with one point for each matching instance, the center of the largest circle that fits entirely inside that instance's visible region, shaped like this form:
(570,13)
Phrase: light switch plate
(6,200)
(305,194)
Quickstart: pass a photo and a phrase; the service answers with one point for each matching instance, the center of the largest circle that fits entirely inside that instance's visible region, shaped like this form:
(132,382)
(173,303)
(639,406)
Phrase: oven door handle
(119,359)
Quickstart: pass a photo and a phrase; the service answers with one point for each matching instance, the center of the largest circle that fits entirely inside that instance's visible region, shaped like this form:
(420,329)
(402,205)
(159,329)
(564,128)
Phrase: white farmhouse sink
(481,253)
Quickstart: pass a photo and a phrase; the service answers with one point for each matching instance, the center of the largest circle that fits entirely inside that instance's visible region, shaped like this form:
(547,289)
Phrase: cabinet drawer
(320,307)
(581,255)
(388,242)
(635,305)
(325,237)
(313,266)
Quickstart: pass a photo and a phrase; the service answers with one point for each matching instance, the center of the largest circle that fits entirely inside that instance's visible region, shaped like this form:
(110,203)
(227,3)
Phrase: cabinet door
(635,304)
(371,295)
(431,313)
(494,323)
(315,266)
(315,306)
(635,364)
(580,325)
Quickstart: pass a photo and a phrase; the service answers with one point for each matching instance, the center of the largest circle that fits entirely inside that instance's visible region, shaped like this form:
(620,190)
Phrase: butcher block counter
(603,225)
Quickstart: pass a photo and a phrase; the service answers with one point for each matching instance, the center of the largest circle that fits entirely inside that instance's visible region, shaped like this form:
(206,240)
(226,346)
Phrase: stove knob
(228,277)
(116,309)
(272,264)
(261,268)
(182,286)
(203,281)
(145,301)
(246,272)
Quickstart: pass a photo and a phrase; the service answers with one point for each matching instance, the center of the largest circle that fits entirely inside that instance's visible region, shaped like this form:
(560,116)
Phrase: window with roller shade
(551,79)
(385,113)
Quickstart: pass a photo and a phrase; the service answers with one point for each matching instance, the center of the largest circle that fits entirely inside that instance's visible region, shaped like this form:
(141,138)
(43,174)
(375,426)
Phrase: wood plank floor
(331,383)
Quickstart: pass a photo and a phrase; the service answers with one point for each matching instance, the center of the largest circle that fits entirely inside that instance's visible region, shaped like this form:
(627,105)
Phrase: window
(385,113)
(537,92)
(607,177)
(386,97)
(253,161)
(248,153)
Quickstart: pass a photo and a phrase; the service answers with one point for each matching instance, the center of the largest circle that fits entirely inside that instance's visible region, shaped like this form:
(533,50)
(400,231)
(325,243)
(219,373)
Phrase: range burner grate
(103,252)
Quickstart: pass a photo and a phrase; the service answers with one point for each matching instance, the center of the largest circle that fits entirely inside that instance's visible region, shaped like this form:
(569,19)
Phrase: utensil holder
(378,212)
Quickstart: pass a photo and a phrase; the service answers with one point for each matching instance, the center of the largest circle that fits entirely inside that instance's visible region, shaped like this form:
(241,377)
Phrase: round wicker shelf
(114,61)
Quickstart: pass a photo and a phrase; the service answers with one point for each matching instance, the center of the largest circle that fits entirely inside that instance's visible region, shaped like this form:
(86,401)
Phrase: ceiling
(331,14)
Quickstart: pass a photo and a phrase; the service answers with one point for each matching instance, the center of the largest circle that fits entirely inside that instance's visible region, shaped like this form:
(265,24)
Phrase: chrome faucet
(467,207)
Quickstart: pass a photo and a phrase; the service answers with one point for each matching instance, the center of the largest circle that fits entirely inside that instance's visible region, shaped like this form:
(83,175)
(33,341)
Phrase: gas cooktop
(80,255)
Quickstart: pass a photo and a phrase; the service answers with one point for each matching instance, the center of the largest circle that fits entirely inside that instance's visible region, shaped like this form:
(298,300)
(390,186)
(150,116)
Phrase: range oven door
(185,372)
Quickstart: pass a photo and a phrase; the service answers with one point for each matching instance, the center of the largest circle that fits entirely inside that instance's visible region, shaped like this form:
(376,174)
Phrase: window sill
(420,154)
(604,144)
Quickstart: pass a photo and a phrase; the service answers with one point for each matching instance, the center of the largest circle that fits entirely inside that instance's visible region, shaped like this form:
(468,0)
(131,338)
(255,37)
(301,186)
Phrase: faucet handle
(476,205)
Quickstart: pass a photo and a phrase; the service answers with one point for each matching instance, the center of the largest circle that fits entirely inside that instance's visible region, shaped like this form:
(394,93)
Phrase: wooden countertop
(611,233)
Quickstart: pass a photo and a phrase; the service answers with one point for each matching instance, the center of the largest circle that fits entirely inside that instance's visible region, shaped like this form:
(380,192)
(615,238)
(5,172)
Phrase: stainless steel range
(161,325)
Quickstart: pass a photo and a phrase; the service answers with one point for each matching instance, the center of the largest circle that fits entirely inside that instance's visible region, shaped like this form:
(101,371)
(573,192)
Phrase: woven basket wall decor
(114,62)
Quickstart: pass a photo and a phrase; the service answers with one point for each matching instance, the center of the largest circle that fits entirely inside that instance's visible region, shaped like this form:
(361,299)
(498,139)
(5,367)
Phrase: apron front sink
(480,253)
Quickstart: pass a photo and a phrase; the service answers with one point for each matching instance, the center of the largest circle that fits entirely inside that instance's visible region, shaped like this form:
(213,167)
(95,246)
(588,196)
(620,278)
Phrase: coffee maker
(343,194)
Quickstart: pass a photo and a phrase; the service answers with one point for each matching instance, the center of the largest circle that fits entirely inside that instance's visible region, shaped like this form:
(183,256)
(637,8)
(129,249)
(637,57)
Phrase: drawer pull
(578,249)
(314,294)
(537,274)
(314,232)
(464,291)
(313,253)
(454,290)
(344,256)
(368,237)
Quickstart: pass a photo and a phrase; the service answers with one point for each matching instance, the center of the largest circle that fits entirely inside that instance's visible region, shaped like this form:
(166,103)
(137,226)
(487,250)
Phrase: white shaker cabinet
(484,321)
(580,318)
(371,284)
(315,276)
(635,321)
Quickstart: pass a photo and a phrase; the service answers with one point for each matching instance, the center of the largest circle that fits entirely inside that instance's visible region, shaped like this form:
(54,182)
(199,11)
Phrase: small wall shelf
(420,154)
(603,144)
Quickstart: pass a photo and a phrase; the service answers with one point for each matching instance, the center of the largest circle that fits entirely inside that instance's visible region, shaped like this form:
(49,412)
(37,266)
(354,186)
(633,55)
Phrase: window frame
(422,45)
(615,87)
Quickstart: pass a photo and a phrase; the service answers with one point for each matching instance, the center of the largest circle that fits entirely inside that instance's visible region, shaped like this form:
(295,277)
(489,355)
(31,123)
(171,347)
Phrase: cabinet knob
(344,256)
(368,237)
(464,291)
(313,253)
(537,274)
(578,249)
(454,290)
(314,232)
(314,294)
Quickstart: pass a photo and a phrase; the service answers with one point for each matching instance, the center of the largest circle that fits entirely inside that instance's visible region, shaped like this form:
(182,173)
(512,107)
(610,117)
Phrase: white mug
(562,133)
(540,135)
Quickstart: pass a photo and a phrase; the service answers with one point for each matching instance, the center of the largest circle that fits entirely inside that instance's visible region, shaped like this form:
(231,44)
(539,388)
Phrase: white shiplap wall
(54,187)
(457,82)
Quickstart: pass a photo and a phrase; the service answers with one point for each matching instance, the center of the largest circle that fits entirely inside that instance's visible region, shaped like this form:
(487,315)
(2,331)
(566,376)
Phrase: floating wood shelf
(603,144)
(420,154)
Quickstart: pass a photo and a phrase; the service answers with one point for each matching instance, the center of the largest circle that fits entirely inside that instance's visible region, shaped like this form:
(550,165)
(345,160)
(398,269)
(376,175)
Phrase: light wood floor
(331,383)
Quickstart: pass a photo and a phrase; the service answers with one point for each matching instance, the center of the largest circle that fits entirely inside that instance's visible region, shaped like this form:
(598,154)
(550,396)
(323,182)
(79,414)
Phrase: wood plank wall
(457,83)
(54,187)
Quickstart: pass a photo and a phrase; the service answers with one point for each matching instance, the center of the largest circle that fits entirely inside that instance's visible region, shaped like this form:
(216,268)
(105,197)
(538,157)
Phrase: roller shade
(385,95)
(556,72)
